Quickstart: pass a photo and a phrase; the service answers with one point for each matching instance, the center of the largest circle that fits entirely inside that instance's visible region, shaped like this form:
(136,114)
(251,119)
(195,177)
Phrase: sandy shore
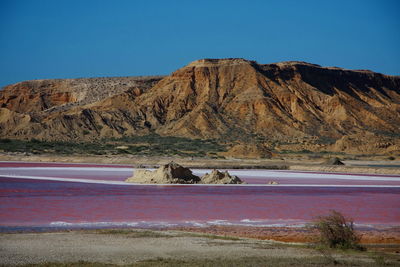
(346,169)
(144,160)
(302,164)
(165,248)
(129,247)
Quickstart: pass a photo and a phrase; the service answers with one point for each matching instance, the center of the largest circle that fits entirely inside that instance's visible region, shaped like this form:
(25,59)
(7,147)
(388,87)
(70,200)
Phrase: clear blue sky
(68,38)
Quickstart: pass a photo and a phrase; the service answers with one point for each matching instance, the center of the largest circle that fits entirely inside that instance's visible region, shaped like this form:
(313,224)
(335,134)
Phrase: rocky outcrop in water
(173,173)
(217,177)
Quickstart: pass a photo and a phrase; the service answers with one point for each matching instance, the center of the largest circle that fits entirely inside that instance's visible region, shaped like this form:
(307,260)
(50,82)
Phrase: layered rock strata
(284,106)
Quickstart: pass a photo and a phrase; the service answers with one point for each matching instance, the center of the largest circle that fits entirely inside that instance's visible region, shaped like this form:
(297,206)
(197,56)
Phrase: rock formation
(217,177)
(286,106)
(47,96)
(333,161)
(171,173)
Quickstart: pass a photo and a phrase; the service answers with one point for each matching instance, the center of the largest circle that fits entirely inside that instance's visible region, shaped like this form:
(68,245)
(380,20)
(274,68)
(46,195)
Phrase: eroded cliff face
(287,105)
(64,109)
(209,98)
(60,94)
(35,96)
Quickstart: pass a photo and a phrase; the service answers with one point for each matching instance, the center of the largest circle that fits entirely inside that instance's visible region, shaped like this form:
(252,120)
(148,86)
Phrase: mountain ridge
(285,105)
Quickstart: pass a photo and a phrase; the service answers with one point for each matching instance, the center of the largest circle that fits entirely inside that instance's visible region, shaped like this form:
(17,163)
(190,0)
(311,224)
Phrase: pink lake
(28,200)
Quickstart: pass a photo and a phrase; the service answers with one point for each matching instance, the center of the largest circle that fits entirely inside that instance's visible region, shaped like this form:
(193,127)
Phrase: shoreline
(92,181)
(282,234)
(295,235)
(177,247)
(290,164)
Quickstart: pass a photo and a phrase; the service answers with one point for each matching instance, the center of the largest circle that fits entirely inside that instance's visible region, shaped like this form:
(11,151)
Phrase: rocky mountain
(56,109)
(284,106)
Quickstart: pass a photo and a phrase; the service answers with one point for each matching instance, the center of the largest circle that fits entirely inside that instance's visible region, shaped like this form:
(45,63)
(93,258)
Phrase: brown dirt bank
(346,169)
(294,235)
(138,161)
(209,163)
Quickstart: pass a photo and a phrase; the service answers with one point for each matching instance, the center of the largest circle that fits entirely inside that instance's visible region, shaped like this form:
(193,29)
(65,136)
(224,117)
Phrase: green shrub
(149,145)
(336,231)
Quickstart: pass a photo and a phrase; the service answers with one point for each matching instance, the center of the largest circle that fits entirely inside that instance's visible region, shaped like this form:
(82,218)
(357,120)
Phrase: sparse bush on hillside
(336,231)
(148,145)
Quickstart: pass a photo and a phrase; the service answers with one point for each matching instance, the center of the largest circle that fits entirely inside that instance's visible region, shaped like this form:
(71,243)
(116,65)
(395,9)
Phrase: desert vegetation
(149,145)
(336,231)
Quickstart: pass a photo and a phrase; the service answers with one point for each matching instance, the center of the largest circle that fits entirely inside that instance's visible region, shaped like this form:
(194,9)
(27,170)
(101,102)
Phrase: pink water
(36,202)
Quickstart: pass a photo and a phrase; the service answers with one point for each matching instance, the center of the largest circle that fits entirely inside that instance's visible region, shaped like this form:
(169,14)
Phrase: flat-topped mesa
(215,62)
(211,62)
(237,100)
(307,65)
(294,63)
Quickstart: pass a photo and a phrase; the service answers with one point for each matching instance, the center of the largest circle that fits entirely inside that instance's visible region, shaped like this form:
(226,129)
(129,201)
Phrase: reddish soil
(298,235)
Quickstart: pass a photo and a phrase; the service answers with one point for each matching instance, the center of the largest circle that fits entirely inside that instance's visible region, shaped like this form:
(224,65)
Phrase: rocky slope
(56,109)
(248,151)
(286,106)
(51,95)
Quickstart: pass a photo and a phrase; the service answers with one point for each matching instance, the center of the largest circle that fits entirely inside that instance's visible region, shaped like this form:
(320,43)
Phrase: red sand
(298,235)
